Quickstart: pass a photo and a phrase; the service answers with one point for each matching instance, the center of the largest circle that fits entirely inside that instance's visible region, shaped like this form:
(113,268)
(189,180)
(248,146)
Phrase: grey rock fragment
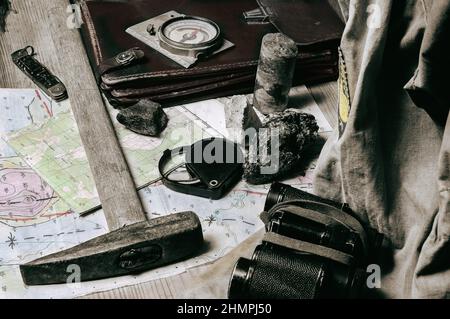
(239,116)
(145,117)
(296,131)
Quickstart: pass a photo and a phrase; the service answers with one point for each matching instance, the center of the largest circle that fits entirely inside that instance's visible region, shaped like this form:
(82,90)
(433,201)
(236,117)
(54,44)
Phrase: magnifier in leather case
(211,168)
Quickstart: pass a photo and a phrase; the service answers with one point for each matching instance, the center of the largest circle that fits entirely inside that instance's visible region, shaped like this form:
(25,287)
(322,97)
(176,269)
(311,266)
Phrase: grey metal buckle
(126,57)
(257,16)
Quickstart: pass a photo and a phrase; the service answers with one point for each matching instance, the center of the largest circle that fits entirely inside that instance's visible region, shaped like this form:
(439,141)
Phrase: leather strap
(323,209)
(176,186)
(310,248)
(323,219)
(121,60)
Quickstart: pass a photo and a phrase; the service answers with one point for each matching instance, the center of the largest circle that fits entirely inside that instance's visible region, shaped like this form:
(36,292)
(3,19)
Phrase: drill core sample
(145,117)
(275,73)
(267,161)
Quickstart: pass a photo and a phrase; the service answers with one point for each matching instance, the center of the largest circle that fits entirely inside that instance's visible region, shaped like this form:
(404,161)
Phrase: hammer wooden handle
(116,188)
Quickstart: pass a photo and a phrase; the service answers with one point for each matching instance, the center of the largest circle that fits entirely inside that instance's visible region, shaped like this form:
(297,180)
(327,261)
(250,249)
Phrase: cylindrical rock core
(275,73)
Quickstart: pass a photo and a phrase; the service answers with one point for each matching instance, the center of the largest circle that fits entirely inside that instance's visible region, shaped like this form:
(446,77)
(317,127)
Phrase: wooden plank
(24,28)
(326,96)
(43,24)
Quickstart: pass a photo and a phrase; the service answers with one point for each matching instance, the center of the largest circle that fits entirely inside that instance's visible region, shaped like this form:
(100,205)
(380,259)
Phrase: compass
(190,36)
(182,38)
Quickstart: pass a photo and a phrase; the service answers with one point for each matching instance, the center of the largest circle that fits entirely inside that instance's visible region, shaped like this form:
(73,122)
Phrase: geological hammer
(134,244)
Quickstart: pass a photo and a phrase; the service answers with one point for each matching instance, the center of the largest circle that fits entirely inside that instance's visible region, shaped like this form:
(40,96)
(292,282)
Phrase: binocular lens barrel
(241,273)
(280,193)
(278,273)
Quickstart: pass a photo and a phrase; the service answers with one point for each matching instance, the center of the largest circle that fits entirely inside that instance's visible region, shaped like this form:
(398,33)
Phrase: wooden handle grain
(116,188)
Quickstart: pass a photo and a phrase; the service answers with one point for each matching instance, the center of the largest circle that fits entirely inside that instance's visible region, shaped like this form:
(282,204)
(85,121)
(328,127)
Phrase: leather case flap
(106,22)
(307,22)
(105,36)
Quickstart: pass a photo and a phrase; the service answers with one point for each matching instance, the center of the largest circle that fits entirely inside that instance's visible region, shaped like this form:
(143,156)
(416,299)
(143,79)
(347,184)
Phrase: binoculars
(314,249)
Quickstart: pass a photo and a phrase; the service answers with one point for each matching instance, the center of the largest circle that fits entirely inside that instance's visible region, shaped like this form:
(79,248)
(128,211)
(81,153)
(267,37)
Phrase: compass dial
(191,31)
(188,32)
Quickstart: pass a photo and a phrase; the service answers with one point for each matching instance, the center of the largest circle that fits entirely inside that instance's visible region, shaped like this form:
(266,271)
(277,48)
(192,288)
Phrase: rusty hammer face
(134,244)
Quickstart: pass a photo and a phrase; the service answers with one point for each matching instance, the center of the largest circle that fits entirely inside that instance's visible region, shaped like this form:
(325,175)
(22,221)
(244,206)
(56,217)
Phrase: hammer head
(129,250)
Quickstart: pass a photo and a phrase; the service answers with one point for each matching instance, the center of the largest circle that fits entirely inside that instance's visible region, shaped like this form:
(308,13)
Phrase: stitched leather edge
(92,34)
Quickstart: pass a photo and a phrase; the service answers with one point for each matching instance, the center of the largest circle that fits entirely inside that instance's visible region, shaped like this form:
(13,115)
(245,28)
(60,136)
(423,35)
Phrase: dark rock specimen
(270,161)
(4,9)
(145,117)
(275,73)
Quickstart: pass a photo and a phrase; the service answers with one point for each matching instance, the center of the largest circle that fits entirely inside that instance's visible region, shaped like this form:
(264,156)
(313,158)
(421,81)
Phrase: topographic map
(25,198)
(54,149)
(43,169)
(34,220)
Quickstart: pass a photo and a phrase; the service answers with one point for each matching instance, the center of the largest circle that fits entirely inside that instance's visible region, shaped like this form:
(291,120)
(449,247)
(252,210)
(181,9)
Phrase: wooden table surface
(43,24)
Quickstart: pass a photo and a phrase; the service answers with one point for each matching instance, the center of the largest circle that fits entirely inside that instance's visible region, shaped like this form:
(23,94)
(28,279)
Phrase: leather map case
(163,80)
(311,23)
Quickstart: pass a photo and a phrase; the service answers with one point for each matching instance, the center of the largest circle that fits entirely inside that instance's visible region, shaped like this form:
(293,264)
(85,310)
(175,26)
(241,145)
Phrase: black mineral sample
(267,161)
(145,117)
